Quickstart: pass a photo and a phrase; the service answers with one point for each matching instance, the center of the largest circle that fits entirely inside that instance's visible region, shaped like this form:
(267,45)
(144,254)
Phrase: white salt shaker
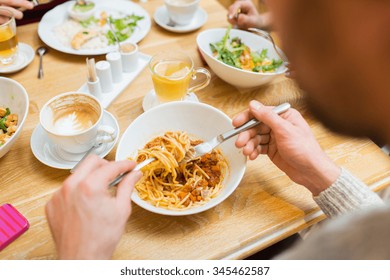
(114,58)
(103,70)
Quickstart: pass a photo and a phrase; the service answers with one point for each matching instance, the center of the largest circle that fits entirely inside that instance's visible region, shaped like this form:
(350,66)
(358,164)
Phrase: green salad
(122,26)
(235,53)
(8,124)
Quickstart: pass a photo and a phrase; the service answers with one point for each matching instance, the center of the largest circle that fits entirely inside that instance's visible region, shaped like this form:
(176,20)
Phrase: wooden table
(266,207)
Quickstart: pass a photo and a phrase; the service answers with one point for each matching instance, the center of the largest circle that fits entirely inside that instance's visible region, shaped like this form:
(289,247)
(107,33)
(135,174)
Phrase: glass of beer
(8,39)
(172,73)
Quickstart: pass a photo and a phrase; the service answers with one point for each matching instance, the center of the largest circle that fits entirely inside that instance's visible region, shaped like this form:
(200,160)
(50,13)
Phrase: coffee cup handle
(106,134)
(200,86)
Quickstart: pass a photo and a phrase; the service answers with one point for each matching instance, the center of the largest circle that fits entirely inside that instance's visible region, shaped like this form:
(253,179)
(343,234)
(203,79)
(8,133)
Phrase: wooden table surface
(266,207)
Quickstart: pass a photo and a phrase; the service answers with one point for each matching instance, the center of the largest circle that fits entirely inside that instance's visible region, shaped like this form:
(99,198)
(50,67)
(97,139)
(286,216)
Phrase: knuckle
(94,159)
(295,113)
(85,188)
(66,188)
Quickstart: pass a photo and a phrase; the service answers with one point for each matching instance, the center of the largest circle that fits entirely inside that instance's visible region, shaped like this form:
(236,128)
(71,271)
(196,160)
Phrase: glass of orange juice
(171,75)
(8,39)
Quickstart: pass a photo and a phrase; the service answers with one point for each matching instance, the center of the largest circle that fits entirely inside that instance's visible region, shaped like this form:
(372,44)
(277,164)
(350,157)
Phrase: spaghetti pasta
(171,183)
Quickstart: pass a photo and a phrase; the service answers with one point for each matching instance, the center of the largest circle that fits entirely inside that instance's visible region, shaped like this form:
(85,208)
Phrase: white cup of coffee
(181,12)
(73,121)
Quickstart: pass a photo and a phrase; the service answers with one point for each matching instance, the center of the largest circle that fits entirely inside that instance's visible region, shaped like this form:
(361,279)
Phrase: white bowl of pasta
(169,186)
(261,56)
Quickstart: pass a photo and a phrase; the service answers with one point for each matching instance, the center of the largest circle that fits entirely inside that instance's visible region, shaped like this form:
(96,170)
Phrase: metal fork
(139,166)
(208,146)
(268,36)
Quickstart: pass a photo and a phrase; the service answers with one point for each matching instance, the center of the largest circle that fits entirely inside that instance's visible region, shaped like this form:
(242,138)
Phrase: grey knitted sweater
(359,227)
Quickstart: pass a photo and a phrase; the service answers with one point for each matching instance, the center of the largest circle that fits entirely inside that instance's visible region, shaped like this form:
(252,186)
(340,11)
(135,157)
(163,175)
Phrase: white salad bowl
(197,119)
(232,75)
(14,96)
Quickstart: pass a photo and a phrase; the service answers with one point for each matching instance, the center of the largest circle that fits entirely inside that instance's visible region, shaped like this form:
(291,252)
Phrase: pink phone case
(12,225)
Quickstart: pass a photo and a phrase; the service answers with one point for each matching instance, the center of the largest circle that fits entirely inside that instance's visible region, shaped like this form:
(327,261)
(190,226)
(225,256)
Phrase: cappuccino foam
(73,119)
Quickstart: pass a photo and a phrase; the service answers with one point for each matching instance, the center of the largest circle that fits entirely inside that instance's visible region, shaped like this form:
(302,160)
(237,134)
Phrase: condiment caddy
(108,78)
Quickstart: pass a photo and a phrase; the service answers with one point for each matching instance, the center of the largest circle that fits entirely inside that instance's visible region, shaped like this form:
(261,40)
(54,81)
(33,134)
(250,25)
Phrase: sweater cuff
(345,195)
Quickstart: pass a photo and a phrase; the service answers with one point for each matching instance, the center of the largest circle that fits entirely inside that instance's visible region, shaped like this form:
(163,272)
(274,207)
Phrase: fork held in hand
(208,146)
(139,166)
(252,123)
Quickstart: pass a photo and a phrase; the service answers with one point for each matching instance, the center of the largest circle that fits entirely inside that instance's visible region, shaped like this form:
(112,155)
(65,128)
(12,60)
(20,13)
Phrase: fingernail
(255,105)
(230,17)
(138,174)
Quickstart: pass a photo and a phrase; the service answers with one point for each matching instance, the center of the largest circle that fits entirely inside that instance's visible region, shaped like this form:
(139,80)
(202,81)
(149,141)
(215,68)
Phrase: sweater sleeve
(345,195)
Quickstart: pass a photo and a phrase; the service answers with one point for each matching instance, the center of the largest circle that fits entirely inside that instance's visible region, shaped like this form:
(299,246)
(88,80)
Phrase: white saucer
(24,58)
(51,155)
(161,18)
(150,100)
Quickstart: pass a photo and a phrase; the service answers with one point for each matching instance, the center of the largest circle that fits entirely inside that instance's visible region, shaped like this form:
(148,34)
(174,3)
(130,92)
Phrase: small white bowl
(14,96)
(78,15)
(197,119)
(231,75)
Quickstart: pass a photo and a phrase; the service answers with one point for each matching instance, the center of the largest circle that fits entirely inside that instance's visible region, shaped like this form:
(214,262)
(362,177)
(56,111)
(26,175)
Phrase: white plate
(24,58)
(161,18)
(51,155)
(59,14)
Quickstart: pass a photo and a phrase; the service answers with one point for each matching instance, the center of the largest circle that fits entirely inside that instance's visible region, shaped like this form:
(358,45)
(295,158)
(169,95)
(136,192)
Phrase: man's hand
(87,221)
(244,14)
(289,143)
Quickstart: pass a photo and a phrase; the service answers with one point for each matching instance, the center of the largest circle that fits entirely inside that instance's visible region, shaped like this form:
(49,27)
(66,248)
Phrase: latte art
(74,119)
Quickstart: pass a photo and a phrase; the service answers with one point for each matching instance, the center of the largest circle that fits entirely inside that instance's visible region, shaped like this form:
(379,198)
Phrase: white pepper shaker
(114,58)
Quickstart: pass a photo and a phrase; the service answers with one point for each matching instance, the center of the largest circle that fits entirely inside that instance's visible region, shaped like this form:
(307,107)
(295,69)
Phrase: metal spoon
(171,23)
(41,51)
